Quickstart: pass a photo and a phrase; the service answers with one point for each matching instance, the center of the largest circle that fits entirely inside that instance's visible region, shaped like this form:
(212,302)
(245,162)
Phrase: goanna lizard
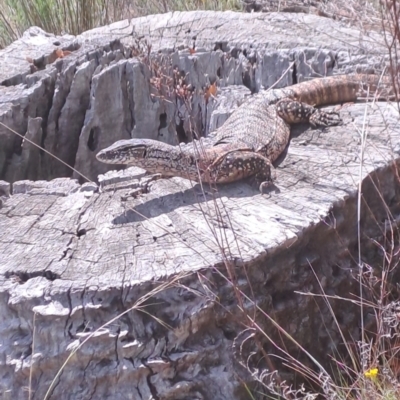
(252,138)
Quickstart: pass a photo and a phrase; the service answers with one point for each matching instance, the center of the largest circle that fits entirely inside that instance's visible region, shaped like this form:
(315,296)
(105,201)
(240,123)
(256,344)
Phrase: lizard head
(151,155)
(124,151)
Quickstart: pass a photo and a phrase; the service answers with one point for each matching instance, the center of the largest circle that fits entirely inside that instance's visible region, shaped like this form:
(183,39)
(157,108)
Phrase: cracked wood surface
(76,257)
(121,236)
(101,87)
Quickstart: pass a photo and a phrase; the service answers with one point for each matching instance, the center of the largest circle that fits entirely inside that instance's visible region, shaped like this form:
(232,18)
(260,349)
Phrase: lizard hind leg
(324,118)
(238,164)
(294,112)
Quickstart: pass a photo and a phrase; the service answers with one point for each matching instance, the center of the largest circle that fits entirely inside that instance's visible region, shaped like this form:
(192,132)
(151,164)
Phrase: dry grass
(76,16)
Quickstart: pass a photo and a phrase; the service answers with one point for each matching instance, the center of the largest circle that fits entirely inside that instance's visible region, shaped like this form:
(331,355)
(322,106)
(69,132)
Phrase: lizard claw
(265,185)
(325,118)
(262,182)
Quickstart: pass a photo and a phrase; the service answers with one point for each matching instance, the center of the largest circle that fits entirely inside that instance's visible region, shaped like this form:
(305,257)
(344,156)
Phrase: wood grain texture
(81,255)
(73,257)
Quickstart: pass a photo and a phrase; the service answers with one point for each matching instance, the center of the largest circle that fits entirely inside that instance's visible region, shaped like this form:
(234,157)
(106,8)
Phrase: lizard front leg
(294,112)
(237,164)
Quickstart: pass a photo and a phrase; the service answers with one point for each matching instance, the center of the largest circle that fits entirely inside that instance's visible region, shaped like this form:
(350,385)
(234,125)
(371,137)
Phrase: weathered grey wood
(73,257)
(74,252)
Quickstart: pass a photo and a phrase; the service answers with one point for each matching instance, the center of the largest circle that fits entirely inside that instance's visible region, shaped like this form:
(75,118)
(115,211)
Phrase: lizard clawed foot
(325,118)
(264,181)
(264,186)
(293,111)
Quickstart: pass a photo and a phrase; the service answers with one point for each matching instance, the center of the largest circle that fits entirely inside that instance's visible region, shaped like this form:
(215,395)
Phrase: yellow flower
(371,373)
